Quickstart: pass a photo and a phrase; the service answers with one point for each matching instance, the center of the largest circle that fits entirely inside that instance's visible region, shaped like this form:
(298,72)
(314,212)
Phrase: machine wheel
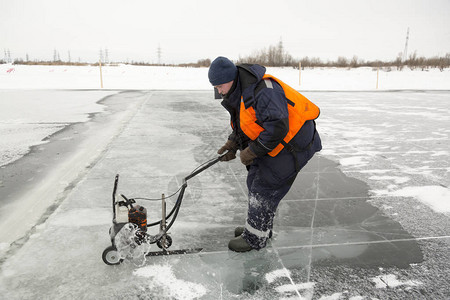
(111,256)
(167,244)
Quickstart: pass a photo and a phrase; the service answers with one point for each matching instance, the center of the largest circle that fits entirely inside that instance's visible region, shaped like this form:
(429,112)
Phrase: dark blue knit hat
(222,70)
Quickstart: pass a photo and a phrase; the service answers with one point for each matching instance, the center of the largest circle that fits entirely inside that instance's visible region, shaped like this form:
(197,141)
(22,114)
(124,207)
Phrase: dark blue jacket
(270,105)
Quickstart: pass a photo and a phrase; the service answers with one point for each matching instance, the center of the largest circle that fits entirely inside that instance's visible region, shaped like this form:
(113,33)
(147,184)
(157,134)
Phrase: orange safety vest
(300,110)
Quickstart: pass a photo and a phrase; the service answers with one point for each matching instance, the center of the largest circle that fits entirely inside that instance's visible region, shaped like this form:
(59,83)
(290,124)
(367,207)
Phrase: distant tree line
(273,56)
(47,63)
(199,64)
(413,62)
(202,63)
(276,56)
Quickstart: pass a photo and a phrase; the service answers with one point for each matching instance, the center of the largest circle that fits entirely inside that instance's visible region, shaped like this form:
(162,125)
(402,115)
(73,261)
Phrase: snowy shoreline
(29,118)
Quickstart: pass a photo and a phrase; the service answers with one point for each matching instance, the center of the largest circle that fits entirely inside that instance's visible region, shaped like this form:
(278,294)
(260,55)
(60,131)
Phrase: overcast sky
(188,30)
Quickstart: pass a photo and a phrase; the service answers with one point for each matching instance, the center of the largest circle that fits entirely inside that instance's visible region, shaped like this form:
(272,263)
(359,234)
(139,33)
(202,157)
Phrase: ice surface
(330,238)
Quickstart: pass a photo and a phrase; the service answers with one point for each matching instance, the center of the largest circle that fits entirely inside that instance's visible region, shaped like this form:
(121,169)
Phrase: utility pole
(159,54)
(106,56)
(7,56)
(55,55)
(405,52)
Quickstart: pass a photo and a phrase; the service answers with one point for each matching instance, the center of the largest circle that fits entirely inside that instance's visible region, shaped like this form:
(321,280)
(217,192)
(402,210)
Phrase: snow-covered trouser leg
(270,178)
(262,205)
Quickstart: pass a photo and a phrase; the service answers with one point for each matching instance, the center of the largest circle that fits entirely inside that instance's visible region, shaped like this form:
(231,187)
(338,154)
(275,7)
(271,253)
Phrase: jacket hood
(250,76)
(247,78)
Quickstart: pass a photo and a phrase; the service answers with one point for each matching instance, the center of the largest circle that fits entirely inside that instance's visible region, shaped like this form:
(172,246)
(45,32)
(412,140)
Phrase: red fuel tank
(138,215)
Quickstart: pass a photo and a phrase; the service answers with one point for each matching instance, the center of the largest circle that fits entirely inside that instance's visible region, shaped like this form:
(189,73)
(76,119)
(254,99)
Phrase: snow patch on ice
(396,179)
(352,161)
(3,248)
(436,197)
(272,276)
(416,152)
(379,171)
(390,280)
(440,153)
(289,288)
(379,193)
(335,296)
(163,277)
(328,152)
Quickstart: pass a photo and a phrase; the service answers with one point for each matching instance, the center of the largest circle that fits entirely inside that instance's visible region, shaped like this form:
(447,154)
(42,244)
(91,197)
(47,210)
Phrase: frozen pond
(367,217)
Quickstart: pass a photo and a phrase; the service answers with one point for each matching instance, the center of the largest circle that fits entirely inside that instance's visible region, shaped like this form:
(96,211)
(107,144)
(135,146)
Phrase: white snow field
(177,78)
(391,145)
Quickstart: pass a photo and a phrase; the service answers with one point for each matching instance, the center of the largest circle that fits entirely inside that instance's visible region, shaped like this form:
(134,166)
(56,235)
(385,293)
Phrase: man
(274,129)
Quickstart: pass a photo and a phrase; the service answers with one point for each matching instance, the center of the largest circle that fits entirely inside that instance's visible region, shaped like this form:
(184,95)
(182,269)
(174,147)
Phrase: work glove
(229,146)
(247,156)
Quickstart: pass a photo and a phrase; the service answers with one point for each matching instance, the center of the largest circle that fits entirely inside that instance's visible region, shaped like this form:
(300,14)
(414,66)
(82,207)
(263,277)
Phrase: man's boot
(240,230)
(238,244)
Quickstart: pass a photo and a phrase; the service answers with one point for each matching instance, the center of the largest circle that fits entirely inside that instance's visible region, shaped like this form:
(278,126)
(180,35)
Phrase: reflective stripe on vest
(300,110)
